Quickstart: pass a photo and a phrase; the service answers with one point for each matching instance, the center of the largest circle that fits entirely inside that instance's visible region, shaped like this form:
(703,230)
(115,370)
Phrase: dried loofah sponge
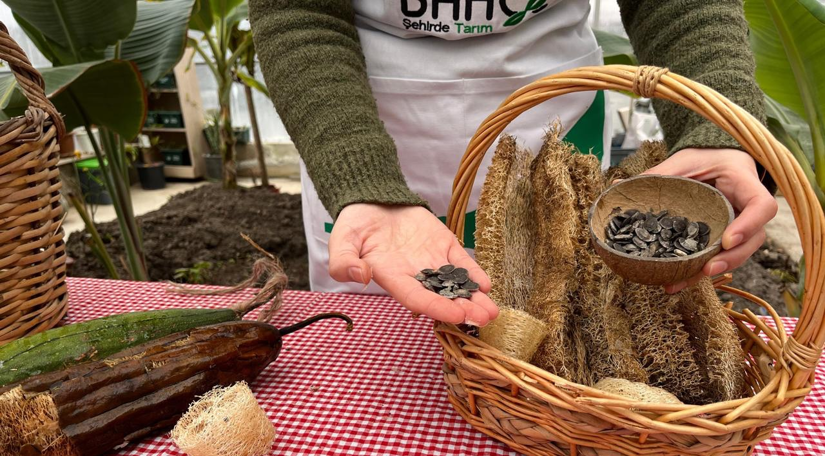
(660,338)
(503,247)
(29,422)
(225,422)
(518,233)
(490,217)
(595,290)
(554,215)
(715,340)
(636,391)
(515,333)
(650,154)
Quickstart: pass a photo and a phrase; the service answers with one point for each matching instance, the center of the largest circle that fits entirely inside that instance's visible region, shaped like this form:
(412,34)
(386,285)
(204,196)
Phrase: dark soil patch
(766,275)
(203,226)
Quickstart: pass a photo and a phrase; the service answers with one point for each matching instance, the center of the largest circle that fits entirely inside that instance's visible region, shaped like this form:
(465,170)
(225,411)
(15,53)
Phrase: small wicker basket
(33,294)
(539,413)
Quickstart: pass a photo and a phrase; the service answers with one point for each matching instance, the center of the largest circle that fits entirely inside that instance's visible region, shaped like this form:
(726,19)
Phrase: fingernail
(470,322)
(356,275)
(735,240)
(718,267)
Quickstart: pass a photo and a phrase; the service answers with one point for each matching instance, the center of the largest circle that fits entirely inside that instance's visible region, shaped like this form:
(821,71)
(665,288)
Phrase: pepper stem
(311,320)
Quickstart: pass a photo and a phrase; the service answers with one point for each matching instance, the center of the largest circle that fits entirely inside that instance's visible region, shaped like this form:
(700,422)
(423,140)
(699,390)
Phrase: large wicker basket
(33,294)
(536,412)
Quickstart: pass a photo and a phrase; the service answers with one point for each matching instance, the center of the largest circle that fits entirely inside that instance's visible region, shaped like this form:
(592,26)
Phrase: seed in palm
(448,281)
(656,235)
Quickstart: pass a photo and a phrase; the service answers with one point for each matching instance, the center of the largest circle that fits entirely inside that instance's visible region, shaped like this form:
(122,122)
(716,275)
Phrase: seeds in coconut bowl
(656,235)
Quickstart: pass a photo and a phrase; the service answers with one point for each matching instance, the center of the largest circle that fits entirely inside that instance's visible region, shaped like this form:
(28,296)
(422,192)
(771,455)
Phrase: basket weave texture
(33,294)
(537,413)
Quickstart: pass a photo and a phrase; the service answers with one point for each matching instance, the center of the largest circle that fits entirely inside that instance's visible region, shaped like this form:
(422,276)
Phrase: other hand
(733,173)
(391,244)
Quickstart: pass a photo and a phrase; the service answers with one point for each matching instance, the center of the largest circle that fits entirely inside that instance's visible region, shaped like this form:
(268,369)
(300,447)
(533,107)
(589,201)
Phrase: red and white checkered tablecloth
(377,390)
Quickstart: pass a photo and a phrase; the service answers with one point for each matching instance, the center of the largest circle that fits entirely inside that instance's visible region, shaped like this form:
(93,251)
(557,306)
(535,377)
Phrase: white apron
(437,68)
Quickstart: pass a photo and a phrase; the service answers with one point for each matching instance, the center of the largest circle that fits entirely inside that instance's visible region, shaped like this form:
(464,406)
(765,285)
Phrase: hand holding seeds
(734,173)
(390,245)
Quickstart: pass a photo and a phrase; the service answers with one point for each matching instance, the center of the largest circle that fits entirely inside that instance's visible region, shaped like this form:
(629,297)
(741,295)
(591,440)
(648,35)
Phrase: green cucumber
(96,339)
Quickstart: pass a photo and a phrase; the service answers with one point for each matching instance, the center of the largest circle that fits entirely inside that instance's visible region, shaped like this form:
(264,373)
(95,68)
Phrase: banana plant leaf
(158,40)
(73,31)
(794,125)
(788,40)
(248,80)
(111,93)
(206,11)
(616,49)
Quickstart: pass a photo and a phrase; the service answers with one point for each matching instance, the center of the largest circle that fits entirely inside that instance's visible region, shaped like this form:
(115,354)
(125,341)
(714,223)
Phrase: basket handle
(653,82)
(28,78)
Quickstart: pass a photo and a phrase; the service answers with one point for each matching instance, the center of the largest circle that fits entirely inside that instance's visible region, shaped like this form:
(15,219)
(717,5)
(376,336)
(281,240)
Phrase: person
(381,98)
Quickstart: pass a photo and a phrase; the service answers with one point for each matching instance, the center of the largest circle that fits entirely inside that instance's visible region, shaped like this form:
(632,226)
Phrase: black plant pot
(92,188)
(214,167)
(151,176)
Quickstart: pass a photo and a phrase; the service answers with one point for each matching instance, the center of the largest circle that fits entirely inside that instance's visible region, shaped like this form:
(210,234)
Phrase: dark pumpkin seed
(463,293)
(644,235)
(446,269)
(469,285)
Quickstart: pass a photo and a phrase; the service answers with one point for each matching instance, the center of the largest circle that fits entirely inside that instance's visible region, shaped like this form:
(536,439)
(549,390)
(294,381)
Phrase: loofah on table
(636,391)
(29,425)
(225,422)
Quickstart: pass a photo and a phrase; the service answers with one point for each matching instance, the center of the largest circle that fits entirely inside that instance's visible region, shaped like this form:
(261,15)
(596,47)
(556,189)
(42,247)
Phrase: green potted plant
(150,167)
(213,159)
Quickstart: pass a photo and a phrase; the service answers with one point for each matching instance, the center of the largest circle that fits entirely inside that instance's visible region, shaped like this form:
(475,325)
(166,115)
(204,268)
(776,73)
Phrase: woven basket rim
(796,354)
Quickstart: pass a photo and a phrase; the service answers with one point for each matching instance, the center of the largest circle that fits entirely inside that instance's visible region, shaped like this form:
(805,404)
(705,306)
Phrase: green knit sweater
(316,73)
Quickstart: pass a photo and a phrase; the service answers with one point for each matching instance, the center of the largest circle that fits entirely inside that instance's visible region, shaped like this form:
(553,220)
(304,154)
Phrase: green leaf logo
(516,19)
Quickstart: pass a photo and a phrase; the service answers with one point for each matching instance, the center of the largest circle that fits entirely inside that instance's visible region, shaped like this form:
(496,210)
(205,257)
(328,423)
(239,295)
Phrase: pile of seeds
(655,235)
(448,281)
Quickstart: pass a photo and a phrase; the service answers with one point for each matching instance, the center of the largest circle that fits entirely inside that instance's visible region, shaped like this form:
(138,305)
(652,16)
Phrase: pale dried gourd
(636,391)
(225,422)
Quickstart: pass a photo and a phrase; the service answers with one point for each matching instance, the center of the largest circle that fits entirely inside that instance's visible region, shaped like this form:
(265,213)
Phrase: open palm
(391,244)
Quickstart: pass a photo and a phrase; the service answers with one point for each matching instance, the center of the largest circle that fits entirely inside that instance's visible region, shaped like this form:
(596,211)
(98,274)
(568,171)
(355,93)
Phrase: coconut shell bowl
(666,196)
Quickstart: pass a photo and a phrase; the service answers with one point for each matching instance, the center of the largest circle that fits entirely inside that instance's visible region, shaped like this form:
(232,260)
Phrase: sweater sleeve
(706,41)
(315,70)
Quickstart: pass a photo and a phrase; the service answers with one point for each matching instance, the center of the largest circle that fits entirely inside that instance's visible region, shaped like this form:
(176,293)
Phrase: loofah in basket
(33,294)
(539,413)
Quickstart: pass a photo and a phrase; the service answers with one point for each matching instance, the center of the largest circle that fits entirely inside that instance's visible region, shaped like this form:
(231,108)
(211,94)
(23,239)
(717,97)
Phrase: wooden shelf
(164,130)
(186,99)
(180,172)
